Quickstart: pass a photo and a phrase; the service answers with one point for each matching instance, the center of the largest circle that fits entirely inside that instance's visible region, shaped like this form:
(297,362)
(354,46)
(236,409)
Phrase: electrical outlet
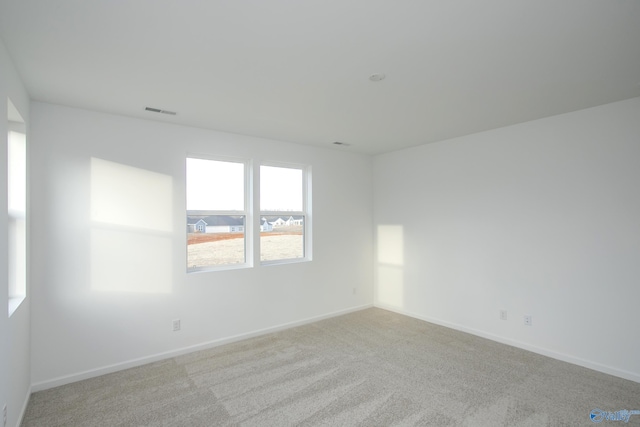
(528,320)
(355,291)
(176,325)
(503,314)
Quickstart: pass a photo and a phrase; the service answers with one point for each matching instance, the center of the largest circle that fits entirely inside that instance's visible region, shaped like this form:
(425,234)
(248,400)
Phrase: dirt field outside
(210,249)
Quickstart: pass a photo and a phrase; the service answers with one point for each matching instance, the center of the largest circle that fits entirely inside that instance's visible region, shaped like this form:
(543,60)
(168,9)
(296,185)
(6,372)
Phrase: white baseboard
(539,350)
(67,379)
(24,407)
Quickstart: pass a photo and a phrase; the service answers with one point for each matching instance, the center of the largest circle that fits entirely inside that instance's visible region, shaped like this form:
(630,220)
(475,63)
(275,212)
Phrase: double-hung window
(283,207)
(216,213)
(226,227)
(17,209)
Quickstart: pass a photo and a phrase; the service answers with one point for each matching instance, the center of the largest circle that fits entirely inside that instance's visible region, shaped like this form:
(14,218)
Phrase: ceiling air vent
(157,110)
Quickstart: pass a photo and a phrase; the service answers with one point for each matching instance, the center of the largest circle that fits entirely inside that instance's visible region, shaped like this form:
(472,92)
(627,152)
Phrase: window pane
(280,189)
(17,173)
(215,185)
(281,237)
(17,207)
(215,240)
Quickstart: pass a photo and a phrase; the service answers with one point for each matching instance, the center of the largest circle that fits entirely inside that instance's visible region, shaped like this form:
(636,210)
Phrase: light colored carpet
(369,368)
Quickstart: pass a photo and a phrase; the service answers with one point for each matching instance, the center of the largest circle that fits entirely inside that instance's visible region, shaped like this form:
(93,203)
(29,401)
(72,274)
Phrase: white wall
(14,332)
(95,309)
(541,218)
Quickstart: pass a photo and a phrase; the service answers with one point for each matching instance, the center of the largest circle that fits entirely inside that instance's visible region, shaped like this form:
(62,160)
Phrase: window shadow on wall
(131,229)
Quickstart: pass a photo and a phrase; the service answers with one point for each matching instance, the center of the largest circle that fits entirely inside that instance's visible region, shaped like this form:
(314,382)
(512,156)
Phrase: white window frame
(305,212)
(17,235)
(247,213)
(253,214)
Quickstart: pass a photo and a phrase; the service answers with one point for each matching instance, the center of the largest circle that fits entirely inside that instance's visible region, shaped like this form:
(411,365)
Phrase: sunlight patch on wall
(122,261)
(132,197)
(390,262)
(391,285)
(390,244)
(131,229)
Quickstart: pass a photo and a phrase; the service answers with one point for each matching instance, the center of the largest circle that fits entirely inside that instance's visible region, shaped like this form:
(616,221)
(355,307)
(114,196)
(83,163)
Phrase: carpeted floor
(369,368)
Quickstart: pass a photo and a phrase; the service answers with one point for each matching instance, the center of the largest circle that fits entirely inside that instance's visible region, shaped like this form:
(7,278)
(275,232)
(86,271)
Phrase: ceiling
(299,71)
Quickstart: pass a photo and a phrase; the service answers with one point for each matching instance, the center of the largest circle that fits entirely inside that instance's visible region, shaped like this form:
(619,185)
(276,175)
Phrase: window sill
(284,261)
(228,267)
(14,303)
